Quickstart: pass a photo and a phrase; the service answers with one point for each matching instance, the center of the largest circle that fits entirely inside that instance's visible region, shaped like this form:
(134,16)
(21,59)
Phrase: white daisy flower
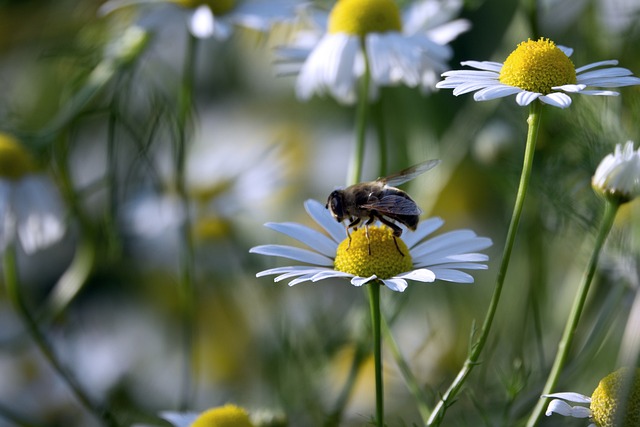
(618,175)
(30,206)
(604,402)
(537,70)
(216,18)
(378,257)
(403,47)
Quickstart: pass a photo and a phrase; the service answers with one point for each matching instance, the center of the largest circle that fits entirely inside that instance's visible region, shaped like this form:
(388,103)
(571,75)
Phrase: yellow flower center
(385,259)
(224,416)
(537,66)
(15,160)
(360,17)
(605,400)
(218,7)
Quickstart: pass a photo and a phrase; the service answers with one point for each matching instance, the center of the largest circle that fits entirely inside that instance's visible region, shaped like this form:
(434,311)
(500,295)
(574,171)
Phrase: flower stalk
(374,305)
(15,295)
(362,113)
(611,208)
(187,259)
(535,111)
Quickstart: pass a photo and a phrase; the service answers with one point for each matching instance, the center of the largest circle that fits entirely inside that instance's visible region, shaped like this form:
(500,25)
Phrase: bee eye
(336,207)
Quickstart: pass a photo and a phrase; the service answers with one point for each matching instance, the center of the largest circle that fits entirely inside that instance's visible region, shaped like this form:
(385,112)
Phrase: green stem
(187,252)
(576,311)
(355,170)
(439,411)
(374,305)
(15,294)
(378,121)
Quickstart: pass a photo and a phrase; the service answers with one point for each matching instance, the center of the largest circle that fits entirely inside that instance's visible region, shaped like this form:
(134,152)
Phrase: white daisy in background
(605,402)
(408,47)
(537,70)
(379,257)
(228,415)
(618,175)
(216,18)
(31,210)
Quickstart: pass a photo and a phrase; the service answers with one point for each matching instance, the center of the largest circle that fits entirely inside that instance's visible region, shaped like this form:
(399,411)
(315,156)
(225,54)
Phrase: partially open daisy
(607,407)
(618,175)
(216,18)
(378,257)
(31,209)
(402,47)
(537,70)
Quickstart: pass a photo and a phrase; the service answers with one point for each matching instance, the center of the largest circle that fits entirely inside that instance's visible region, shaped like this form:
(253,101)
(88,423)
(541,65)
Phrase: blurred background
(102,115)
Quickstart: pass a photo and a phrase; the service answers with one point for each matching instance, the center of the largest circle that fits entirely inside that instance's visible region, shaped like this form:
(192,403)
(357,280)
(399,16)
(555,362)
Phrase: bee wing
(393,205)
(408,174)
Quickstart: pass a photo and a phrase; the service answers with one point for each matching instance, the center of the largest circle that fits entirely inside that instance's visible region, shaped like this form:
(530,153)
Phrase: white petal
(449,275)
(464,75)
(329,274)
(330,68)
(471,86)
(201,22)
(570,88)
(310,237)
(448,32)
(420,275)
(311,272)
(304,278)
(323,217)
(495,67)
(525,97)
(426,227)
(452,242)
(179,419)
(570,397)
(496,91)
(566,50)
(395,284)
(359,281)
(298,254)
(596,64)
(557,99)
(563,408)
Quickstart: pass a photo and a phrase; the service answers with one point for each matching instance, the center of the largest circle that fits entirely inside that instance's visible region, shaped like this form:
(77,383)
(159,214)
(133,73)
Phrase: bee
(379,200)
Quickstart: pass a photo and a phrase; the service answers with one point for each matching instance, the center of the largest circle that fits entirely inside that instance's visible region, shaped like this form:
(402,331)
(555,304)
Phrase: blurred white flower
(216,18)
(31,210)
(407,47)
(227,415)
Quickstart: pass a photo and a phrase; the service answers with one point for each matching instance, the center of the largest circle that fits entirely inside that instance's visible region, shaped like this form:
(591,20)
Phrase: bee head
(335,204)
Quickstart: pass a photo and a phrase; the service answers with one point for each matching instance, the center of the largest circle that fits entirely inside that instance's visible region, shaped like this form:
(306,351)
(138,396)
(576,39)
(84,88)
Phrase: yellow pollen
(223,416)
(218,7)
(15,160)
(605,400)
(385,261)
(361,17)
(537,66)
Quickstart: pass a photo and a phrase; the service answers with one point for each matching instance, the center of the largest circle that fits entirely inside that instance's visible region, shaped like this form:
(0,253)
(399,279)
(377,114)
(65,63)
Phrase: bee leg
(366,228)
(397,231)
(353,224)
